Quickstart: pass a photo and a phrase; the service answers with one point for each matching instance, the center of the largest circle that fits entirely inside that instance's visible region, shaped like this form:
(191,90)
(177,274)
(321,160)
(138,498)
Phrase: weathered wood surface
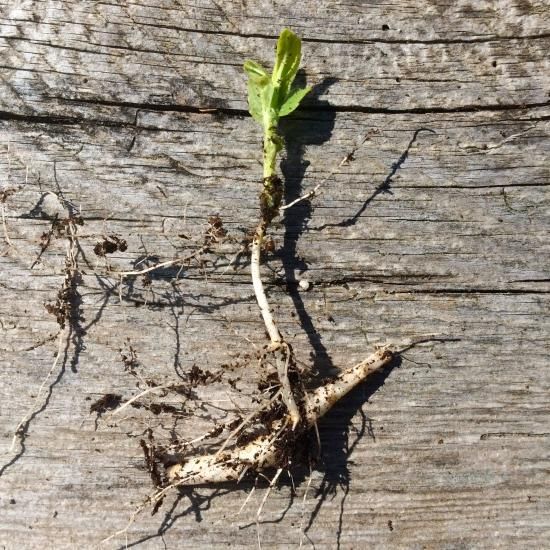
(438,231)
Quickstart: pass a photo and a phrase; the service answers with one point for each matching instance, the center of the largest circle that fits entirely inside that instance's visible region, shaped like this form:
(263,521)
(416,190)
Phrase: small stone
(50,206)
(304,284)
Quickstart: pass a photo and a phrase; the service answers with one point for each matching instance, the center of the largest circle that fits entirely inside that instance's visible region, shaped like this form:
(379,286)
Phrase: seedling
(290,411)
(270,97)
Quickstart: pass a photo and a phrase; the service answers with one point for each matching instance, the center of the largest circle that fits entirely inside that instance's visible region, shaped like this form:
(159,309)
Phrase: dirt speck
(106,403)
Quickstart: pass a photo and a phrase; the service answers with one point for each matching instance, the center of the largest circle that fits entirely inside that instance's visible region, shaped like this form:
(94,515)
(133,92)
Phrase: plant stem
(270,201)
(272,145)
(269,209)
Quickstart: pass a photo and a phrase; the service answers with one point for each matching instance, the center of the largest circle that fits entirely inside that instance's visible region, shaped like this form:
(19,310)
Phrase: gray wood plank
(63,60)
(437,231)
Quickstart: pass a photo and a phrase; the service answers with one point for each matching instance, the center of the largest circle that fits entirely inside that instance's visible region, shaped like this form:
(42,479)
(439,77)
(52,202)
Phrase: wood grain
(76,55)
(437,232)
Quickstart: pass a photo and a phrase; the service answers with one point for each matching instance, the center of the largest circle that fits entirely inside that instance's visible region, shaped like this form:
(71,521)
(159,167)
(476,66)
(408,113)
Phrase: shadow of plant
(298,136)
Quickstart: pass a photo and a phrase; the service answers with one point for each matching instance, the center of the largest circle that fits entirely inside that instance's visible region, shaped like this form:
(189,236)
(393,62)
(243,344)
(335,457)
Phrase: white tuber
(265,451)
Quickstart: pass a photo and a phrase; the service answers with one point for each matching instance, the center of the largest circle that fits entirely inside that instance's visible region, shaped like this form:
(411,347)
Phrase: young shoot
(270,97)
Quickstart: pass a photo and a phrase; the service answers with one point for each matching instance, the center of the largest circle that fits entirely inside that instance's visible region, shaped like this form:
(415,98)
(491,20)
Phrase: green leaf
(287,61)
(267,95)
(293,100)
(255,100)
(259,89)
(270,95)
(256,72)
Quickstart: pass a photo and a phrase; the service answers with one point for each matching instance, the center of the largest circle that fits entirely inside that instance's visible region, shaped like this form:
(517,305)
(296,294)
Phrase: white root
(320,401)
(168,263)
(278,346)
(315,191)
(62,339)
(263,304)
(263,452)
(282,362)
(138,396)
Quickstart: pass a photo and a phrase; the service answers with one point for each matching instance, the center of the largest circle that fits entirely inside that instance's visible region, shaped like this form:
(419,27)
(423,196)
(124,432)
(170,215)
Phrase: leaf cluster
(271,96)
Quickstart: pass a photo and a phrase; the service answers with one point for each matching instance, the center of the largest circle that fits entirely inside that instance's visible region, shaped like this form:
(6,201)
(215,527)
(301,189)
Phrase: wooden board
(437,232)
